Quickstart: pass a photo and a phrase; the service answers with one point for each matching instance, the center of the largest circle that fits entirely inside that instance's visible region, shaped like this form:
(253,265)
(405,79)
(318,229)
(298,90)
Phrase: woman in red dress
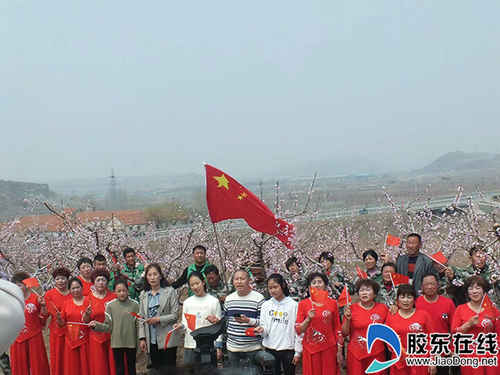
(409,320)
(475,317)
(100,354)
(55,299)
(74,316)
(84,265)
(319,322)
(27,354)
(357,318)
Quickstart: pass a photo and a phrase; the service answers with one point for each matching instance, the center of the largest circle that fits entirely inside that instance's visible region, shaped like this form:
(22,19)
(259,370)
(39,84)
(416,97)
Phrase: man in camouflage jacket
(336,277)
(215,286)
(457,277)
(295,279)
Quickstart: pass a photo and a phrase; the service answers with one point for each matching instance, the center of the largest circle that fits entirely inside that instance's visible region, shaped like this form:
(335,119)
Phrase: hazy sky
(158,87)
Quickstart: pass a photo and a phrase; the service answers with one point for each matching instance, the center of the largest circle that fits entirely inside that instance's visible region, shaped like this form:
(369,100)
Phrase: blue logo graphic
(386,334)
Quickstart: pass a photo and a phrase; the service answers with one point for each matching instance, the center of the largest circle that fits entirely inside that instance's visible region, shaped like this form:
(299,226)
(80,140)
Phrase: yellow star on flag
(242,195)
(222,181)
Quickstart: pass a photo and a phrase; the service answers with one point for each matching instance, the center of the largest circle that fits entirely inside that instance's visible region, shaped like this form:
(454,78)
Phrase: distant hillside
(462,161)
(14,193)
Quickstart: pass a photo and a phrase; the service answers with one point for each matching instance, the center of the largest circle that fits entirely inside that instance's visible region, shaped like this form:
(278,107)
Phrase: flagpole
(482,301)
(393,286)
(223,266)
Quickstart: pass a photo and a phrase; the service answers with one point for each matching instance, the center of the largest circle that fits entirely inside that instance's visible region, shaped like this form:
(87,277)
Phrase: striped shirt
(249,305)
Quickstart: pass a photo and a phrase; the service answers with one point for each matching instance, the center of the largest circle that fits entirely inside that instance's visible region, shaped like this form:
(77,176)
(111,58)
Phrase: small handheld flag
(361,274)
(318,295)
(32,282)
(392,240)
(439,258)
(399,279)
(344,298)
(191,321)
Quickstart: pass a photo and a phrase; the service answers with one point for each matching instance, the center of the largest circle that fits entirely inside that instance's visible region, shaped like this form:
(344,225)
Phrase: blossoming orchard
(453,231)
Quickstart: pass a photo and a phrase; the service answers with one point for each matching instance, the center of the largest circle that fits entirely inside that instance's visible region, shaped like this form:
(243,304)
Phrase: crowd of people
(102,320)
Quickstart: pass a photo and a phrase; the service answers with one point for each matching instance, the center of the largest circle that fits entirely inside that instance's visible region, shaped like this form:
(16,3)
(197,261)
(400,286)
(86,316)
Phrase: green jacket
(183,279)
(387,297)
(336,275)
(135,280)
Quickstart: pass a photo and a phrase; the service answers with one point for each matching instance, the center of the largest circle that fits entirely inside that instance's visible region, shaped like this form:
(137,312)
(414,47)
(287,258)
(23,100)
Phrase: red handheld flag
(318,295)
(344,297)
(250,332)
(191,321)
(392,240)
(439,258)
(32,282)
(141,257)
(487,304)
(228,199)
(361,274)
(399,279)
(135,315)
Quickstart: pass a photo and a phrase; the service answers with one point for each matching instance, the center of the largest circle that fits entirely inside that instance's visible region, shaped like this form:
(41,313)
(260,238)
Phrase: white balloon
(11,313)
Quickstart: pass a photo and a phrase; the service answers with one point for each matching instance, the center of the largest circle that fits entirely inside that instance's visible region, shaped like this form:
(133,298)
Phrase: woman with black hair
(74,316)
(476,317)
(158,305)
(357,318)
(27,354)
(56,298)
(277,326)
(199,310)
(100,354)
(318,319)
(370,258)
(408,320)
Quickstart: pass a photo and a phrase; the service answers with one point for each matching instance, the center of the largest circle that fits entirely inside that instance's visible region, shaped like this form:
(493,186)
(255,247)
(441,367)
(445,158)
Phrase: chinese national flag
(318,295)
(487,304)
(399,279)
(32,282)
(344,297)
(191,321)
(228,199)
(439,258)
(392,240)
(361,274)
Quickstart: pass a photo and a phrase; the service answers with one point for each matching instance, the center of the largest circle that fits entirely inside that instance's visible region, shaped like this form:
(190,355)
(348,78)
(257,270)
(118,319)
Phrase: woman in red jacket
(74,316)
(475,317)
(55,299)
(100,354)
(27,354)
(357,318)
(319,322)
(407,320)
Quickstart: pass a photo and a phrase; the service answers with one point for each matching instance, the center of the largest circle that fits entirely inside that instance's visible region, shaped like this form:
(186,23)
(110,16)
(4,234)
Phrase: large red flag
(228,199)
